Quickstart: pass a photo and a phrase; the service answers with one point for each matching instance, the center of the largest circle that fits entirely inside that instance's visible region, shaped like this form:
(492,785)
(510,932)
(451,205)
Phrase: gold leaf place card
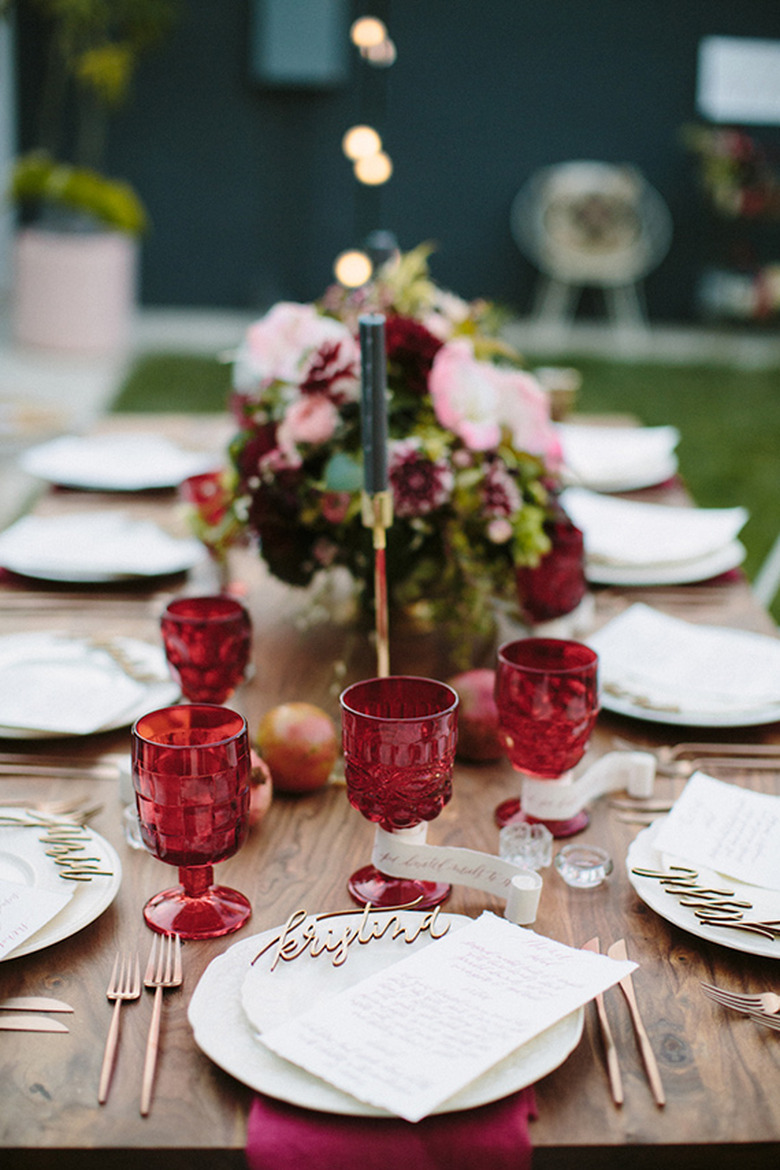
(412,1034)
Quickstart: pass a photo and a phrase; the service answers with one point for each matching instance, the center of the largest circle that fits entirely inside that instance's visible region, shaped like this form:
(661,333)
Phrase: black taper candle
(373,364)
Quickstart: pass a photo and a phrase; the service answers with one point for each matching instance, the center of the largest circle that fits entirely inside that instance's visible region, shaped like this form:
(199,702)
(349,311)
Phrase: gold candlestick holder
(377,513)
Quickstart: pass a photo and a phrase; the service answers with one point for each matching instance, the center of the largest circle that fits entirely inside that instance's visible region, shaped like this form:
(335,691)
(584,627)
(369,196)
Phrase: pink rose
(285,343)
(311,419)
(477,399)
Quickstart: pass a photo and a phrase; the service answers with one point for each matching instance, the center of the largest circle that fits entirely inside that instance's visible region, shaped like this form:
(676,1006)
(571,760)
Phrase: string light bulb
(368,31)
(374,169)
(360,142)
(353,268)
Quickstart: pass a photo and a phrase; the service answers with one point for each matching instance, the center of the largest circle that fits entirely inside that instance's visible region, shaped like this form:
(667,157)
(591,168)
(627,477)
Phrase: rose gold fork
(124,984)
(163,970)
(765,1003)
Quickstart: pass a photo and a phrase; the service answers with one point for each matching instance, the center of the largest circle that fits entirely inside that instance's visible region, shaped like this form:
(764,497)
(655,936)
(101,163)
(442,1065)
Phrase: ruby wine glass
(207,642)
(547,699)
(399,735)
(191,774)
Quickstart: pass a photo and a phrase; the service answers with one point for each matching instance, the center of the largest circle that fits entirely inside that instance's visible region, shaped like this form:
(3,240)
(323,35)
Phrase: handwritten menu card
(23,910)
(407,1038)
(727,828)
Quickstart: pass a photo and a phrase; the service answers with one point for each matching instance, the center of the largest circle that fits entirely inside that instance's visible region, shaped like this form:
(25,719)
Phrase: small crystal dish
(529,845)
(583,866)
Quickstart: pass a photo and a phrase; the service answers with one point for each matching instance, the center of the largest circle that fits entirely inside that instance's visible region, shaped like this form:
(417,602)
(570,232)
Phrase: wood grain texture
(720,1071)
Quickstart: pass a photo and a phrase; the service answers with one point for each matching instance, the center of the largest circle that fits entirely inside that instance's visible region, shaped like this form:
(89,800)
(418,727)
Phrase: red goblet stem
(195,880)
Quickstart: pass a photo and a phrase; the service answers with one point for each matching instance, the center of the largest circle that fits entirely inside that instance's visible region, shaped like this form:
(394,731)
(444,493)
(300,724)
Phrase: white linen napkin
(106,544)
(604,458)
(626,532)
(667,664)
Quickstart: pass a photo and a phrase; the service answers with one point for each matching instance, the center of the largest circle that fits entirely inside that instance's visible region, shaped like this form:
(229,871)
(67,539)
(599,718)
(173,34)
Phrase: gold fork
(124,984)
(163,970)
(766,1003)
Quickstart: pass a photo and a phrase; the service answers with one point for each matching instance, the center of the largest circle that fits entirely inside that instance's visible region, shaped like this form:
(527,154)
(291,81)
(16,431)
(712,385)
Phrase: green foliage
(38,180)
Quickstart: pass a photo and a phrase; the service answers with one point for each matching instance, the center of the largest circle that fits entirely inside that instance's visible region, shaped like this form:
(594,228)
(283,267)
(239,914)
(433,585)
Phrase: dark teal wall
(251,198)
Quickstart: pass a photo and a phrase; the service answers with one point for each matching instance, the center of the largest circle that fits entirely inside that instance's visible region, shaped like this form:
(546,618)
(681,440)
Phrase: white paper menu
(408,1037)
(729,829)
(24,910)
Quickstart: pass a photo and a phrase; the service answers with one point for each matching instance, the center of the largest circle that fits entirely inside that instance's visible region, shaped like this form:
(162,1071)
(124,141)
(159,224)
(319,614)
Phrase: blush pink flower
(287,343)
(311,419)
(419,484)
(476,399)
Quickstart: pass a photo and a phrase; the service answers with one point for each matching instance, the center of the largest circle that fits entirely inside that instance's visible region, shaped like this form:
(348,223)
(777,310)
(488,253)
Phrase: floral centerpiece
(472,452)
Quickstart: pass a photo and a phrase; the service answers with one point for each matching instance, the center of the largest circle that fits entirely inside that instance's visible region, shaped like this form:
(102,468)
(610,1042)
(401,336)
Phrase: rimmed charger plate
(23,860)
(722,560)
(224,1032)
(120,463)
(642,854)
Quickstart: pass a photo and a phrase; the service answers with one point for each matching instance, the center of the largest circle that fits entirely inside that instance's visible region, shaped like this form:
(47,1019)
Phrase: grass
(728,418)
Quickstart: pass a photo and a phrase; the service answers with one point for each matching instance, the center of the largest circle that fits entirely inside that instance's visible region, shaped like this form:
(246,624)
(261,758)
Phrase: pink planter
(74,291)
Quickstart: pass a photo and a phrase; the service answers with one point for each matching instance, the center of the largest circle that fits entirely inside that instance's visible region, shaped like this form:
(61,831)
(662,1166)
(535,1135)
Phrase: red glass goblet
(547,699)
(207,642)
(399,736)
(191,774)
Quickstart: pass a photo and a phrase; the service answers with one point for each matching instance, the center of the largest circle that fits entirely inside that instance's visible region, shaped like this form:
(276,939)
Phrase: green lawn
(728,417)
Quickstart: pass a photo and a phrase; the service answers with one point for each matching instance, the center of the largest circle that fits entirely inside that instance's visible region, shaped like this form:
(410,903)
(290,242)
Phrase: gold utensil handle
(109,1054)
(150,1061)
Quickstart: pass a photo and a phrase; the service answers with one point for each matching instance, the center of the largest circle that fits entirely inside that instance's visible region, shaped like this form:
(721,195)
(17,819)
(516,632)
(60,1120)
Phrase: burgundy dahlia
(419,484)
(411,349)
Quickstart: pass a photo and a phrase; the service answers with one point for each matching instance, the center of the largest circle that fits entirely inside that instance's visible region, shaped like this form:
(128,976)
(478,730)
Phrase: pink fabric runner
(493,1137)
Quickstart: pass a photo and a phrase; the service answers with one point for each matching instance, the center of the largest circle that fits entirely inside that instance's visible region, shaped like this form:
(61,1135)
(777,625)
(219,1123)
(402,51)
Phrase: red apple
(299,744)
(477,716)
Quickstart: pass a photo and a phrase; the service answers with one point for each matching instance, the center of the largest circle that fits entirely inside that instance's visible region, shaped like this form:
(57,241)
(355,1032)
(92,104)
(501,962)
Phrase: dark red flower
(419,485)
(411,349)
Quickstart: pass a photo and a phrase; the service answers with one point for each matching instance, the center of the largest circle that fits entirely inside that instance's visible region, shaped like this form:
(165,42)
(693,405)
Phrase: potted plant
(76,250)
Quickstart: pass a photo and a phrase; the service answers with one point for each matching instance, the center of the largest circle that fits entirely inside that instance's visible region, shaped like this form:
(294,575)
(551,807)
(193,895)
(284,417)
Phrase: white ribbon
(559,800)
(404,853)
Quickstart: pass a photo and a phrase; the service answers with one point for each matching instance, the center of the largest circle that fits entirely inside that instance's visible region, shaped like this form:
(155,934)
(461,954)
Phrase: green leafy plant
(92,50)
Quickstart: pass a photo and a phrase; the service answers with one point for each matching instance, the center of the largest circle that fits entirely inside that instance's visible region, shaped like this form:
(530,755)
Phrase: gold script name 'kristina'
(291,941)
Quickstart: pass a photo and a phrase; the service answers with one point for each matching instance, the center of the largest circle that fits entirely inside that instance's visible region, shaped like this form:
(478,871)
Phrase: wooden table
(720,1071)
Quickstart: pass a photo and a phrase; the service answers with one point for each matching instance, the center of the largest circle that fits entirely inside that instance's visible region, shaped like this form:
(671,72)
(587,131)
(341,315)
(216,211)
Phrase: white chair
(767,580)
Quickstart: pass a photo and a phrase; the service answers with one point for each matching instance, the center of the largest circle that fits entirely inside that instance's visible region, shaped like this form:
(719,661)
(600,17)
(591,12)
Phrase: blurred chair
(591,224)
(767,580)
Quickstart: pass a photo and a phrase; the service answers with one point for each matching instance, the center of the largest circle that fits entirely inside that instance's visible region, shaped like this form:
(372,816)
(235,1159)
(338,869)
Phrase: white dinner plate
(223,1030)
(766,903)
(120,463)
(757,717)
(57,685)
(94,547)
(722,560)
(617,459)
(23,859)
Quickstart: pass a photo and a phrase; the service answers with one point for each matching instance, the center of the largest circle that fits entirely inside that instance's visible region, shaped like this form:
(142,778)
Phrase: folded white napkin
(667,664)
(625,532)
(618,458)
(100,544)
(115,462)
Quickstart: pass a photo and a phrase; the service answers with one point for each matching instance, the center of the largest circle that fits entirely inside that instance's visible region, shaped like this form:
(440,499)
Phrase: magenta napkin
(493,1137)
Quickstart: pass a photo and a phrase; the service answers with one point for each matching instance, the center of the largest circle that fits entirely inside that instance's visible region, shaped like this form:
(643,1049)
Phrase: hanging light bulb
(353,268)
(374,169)
(383,55)
(361,141)
(367,31)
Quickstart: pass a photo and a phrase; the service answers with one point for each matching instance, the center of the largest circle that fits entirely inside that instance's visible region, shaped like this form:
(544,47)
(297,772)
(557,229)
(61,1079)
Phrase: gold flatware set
(618,950)
(28,1015)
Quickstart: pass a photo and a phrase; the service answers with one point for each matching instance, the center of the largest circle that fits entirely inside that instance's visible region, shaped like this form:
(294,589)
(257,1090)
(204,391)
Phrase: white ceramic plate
(59,686)
(225,1034)
(23,859)
(94,547)
(766,903)
(703,568)
(121,463)
(757,717)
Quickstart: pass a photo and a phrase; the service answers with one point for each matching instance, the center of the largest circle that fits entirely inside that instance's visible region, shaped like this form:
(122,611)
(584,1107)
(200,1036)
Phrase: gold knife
(33,1003)
(618,951)
(30,1023)
(613,1068)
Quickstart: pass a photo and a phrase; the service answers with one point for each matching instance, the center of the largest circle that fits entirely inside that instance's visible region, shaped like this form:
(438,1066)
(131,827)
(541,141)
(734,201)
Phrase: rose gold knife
(30,1023)
(34,1003)
(618,951)
(613,1068)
